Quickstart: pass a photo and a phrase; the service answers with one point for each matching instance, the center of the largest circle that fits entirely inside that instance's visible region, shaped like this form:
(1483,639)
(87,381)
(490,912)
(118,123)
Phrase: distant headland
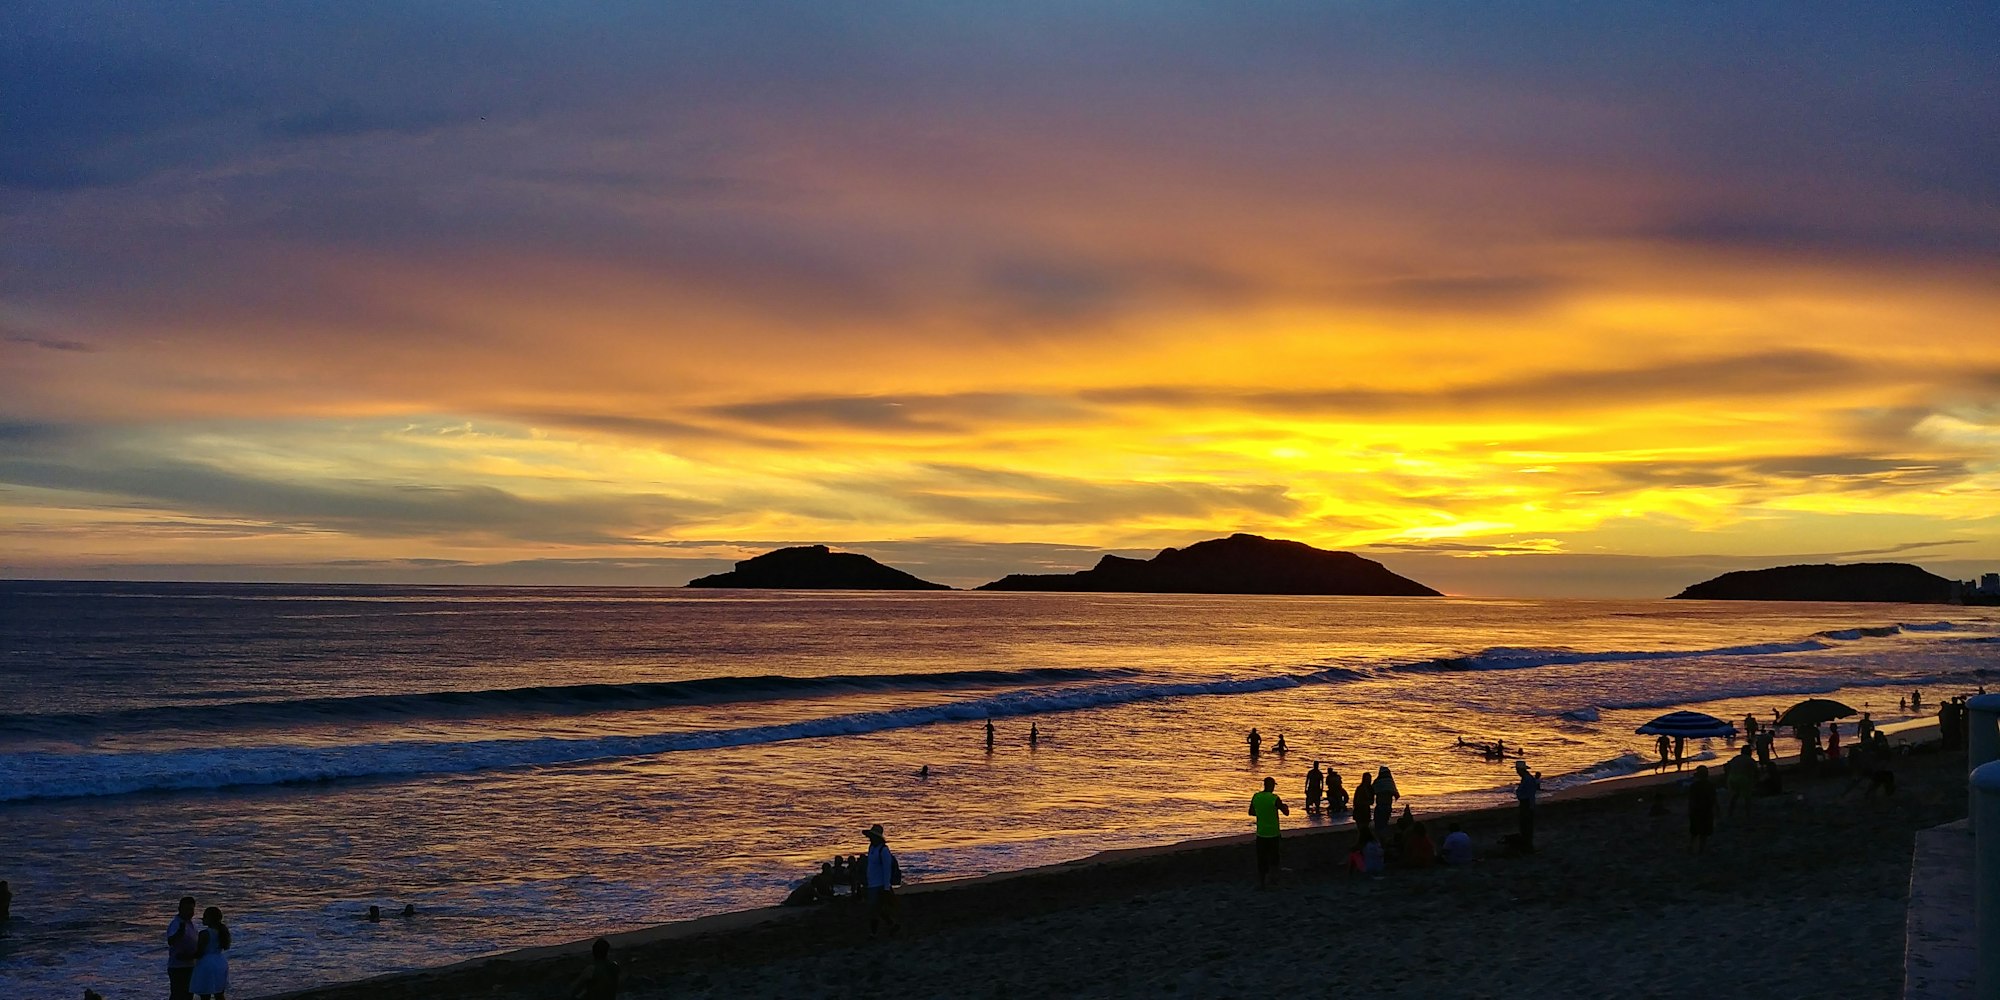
(1239,564)
(1873,582)
(815,567)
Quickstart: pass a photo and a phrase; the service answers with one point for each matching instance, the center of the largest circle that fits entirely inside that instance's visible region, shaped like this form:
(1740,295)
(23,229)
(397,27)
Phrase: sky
(1523,299)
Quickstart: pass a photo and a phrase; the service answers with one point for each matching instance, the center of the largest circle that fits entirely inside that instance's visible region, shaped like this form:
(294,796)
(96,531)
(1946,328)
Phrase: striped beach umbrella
(1693,725)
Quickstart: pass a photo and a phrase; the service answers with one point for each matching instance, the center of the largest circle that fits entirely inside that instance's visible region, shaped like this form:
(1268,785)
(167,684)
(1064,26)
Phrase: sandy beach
(1803,898)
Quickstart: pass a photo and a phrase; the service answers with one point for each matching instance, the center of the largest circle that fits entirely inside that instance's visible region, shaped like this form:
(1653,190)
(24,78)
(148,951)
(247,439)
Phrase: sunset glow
(626,300)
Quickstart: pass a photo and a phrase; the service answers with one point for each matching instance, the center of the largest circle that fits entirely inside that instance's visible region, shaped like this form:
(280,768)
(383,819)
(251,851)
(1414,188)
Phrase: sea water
(531,766)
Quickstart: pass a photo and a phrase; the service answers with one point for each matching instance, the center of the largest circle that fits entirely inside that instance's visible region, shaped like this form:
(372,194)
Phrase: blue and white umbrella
(1693,725)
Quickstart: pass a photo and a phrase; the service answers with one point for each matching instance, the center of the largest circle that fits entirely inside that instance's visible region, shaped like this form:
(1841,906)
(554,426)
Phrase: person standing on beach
(1680,752)
(1034,734)
(1701,810)
(1364,800)
(1315,781)
(1740,777)
(1386,795)
(211,966)
(1666,748)
(600,980)
(1265,806)
(182,941)
(989,734)
(1336,793)
(881,881)
(1866,730)
(1524,802)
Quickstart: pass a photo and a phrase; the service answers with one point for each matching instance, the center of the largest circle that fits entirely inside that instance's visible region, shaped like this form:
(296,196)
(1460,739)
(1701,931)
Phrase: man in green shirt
(1266,805)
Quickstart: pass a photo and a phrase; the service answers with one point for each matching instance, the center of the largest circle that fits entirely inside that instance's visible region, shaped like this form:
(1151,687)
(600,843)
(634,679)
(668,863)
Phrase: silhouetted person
(1364,800)
(6,901)
(881,881)
(374,914)
(409,910)
(1666,748)
(1336,793)
(1403,825)
(1420,852)
(1525,791)
(1034,734)
(1279,748)
(1386,795)
(1265,806)
(600,980)
(182,940)
(801,895)
(1750,725)
(1370,848)
(989,734)
(1680,752)
(1315,783)
(1768,780)
(1866,730)
(1256,741)
(211,966)
(923,772)
(1740,777)
(1701,810)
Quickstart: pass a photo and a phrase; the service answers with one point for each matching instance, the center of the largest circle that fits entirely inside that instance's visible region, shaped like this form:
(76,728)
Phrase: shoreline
(695,952)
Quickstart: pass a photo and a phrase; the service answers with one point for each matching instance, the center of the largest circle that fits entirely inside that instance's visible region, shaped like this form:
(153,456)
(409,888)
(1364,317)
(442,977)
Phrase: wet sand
(1803,898)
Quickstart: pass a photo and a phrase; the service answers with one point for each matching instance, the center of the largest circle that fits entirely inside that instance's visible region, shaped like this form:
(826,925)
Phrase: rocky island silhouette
(815,567)
(1870,582)
(1239,564)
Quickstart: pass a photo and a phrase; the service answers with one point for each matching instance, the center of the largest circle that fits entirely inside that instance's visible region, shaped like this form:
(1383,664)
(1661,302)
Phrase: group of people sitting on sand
(844,872)
(1407,845)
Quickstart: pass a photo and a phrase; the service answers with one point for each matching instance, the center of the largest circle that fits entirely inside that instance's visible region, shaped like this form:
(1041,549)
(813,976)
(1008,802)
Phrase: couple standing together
(197,958)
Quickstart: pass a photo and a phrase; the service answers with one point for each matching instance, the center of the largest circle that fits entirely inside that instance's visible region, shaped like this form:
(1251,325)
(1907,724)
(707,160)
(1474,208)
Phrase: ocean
(535,765)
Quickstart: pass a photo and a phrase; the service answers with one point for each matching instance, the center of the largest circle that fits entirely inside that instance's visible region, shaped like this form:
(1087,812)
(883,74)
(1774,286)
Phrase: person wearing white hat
(881,881)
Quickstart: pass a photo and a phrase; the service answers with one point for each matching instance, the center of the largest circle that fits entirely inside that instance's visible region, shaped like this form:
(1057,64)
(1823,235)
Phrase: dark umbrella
(1692,725)
(1813,711)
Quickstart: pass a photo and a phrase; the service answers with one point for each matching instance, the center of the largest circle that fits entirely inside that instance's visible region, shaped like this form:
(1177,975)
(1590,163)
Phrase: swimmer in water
(924,772)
